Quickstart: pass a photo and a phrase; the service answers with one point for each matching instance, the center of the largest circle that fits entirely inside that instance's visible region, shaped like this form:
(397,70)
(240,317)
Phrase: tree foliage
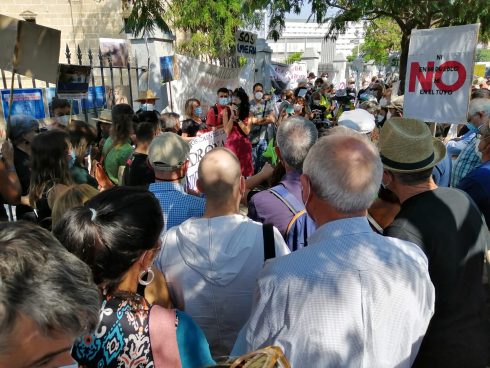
(208,27)
(294,57)
(408,15)
(483,55)
(382,38)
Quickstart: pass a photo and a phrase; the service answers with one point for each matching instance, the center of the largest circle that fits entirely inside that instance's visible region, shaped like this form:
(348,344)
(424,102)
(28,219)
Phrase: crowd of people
(328,225)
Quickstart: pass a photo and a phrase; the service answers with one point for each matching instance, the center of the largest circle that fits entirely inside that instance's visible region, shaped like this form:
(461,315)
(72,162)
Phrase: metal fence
(103,73)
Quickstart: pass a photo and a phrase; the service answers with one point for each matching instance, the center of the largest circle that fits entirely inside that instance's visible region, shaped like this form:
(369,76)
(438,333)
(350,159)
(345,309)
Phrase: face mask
(259,95)
(316,102)
(289,110)
(197,111)
(379,118)
(297,107)
(147,107)
(223,101)
(63,120)
(473,129)
(72,160)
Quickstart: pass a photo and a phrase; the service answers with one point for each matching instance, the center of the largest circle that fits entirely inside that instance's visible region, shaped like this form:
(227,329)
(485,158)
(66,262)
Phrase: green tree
(483,55)
(208,27)
(382,38)
(408,15)
(295,56)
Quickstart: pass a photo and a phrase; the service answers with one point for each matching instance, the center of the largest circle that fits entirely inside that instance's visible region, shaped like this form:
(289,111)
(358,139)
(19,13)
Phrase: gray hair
(40,279)
(479,105)
(345,170)
(295,136)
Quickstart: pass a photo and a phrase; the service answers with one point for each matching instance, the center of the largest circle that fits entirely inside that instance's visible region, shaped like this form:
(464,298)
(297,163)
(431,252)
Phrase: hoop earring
(149,279)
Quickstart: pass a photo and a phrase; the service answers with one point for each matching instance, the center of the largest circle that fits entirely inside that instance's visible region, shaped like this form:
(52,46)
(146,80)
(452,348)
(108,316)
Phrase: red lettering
(450,66)
(424,80)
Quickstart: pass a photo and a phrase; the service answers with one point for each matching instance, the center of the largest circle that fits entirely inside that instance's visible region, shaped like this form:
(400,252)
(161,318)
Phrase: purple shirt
(265,207)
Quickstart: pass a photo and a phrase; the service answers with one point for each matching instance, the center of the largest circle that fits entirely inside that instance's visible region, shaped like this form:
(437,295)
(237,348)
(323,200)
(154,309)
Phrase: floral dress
(122,339)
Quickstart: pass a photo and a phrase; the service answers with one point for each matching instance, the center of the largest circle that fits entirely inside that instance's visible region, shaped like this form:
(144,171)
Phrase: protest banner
(439,73)
(115,49)
(28,101)
(199,147)
(168,68)
(201,81)
(95,99)
(246,44)
(73,81)
(286,76)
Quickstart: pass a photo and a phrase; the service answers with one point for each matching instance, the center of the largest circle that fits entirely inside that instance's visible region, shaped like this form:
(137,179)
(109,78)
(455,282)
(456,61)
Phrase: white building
(321,55)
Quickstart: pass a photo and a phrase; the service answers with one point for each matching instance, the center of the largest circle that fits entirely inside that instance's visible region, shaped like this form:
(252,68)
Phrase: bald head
(219,175)
(345,170)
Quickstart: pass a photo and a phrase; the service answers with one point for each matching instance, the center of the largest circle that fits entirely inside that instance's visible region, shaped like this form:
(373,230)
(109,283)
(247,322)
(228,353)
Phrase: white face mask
(63,120)
(316,102)
(147,107)
(259,95)
(297,107)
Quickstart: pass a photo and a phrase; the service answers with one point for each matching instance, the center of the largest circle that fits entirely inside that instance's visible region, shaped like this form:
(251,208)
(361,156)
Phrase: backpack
(301,225)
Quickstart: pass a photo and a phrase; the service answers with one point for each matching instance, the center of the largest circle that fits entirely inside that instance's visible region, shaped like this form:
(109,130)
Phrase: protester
(146,100)
(47,299)
(169,156)
(223,252)
(295,137)
(52,156)
(478,116)
(22,131)
(10,188)
(82,136)
(262,121)
(237,126)
(104,123)
(117,148)
(117,235)
(193,123)
(138,171)
(214,118)
(61,109)
(476,183)
(359,120)
(171,123)
(73,196)
(352,298)
(448,227)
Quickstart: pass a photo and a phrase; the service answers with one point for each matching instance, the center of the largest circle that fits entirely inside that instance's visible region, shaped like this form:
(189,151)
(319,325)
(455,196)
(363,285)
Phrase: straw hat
(407,145)
(146,95)
(105,116)
(396,103)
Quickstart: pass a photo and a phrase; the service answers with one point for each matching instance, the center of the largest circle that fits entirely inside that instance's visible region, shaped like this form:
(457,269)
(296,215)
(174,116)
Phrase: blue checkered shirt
(177,206)
(466,162)
(352,298)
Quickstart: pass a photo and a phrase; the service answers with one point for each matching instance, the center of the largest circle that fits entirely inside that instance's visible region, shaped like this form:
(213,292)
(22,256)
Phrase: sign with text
(286,76)
(28,101)
(199,147)
(439,73)
(246,43)
(73,81)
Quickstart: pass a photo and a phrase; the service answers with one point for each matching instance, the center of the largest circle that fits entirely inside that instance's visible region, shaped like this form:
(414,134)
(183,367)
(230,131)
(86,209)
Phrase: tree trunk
(405,43)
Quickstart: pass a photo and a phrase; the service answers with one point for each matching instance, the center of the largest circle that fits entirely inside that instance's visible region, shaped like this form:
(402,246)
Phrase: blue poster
(50,95)
(99,93)
(167,68)
(28,101)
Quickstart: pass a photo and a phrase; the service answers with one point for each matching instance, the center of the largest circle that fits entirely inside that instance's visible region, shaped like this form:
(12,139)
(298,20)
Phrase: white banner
(439,73)
(199,147)
(286,76)
(202,81)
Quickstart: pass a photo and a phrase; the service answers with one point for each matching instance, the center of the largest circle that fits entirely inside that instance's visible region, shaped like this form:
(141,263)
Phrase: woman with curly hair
(237,126)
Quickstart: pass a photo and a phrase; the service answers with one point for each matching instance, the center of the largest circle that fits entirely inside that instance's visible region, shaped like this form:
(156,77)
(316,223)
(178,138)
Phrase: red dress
(239,143)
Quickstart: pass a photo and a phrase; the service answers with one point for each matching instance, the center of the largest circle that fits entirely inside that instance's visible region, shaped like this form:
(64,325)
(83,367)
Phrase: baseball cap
(168,152)
(22,124)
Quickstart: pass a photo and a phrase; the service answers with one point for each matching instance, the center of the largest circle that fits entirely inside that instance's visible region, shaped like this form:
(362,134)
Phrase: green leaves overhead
(146,16)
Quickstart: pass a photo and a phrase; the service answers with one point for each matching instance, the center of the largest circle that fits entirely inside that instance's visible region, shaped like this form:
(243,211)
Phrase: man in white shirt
(352,298)
(211,263)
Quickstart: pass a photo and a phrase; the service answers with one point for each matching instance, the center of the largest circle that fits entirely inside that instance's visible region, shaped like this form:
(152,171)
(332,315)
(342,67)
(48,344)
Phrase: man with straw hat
(147,100)
(448,227)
